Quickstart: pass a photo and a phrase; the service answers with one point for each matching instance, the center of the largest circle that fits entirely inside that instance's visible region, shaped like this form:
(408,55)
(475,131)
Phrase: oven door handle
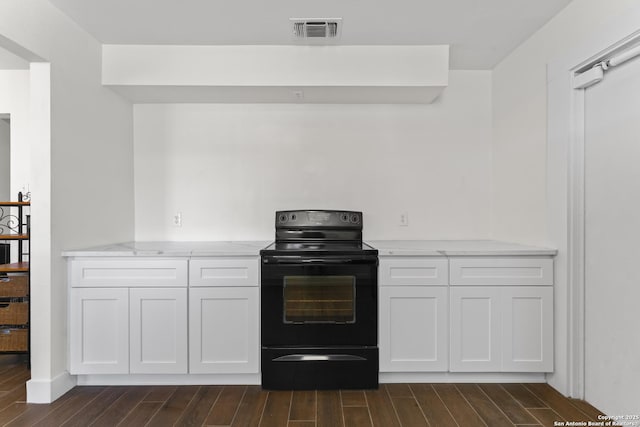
(327,261)
(319,358)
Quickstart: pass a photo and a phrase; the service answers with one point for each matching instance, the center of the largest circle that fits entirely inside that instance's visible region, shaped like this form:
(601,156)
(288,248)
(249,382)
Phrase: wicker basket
(14,313)
(14,286)
(13,339)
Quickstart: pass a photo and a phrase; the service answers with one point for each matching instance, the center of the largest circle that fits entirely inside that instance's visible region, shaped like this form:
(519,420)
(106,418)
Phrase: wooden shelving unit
(15,280)
(14,267)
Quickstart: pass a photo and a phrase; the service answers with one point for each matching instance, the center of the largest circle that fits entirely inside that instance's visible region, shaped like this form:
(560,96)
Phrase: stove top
(324,247)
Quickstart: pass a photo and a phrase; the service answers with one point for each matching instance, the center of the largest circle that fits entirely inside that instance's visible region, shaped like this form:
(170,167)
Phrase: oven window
(319,299)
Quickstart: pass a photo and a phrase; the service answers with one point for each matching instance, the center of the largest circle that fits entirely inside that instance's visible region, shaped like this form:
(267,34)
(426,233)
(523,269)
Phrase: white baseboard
(169,379)
(461,377)
(46,391)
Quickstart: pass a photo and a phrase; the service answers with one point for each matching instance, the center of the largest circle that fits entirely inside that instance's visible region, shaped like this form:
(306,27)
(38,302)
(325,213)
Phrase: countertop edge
(171,249)
(429,248)
(486,253)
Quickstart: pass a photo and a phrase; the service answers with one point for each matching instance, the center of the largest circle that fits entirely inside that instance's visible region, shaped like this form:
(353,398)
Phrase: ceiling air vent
(309,30)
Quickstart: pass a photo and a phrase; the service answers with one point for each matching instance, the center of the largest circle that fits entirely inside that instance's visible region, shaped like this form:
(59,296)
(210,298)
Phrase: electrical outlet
(404,219)
(177,219)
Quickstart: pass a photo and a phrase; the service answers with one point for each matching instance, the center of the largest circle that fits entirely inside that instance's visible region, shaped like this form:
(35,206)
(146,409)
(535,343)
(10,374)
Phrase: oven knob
(282,218)
(292,217)
(355,218)
(344,217)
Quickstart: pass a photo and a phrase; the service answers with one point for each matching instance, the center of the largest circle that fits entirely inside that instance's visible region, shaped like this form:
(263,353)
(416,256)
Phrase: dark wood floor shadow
(401,405)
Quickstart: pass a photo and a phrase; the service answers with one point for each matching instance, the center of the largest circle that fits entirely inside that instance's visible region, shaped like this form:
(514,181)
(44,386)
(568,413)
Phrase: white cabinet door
(223,330)
(413,328)
(99,331)
(527,329)
(476,329)
(158,330)
(501,329)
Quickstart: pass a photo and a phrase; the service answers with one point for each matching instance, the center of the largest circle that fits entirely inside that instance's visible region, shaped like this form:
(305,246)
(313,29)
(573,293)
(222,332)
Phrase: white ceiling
(480,32)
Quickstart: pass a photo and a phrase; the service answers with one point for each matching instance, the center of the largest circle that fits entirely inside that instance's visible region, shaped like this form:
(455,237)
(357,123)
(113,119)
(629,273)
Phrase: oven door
(319,301)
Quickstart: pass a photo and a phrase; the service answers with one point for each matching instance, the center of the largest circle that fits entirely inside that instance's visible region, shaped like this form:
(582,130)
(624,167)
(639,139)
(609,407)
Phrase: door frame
(565,192)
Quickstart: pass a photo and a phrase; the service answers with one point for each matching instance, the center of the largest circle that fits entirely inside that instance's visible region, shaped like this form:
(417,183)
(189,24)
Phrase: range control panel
(318,218)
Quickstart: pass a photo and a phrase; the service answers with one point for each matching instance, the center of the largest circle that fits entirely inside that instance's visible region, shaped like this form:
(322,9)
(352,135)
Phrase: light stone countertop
(252,248)
(170,249)
(457,248)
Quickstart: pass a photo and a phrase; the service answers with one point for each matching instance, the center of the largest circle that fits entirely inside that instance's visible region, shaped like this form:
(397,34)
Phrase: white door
(612,236)
(99,331)
(224,330)
(158,330)
(476,331)
(414,328)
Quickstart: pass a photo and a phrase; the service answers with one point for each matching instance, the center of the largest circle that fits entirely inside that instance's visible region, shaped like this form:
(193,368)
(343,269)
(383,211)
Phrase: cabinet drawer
(501,271)
(413,271)
(128,272)
(224,271)
(14,286)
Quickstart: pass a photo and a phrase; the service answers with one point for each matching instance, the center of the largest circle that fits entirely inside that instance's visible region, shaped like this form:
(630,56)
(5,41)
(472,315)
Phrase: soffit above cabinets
(276,74)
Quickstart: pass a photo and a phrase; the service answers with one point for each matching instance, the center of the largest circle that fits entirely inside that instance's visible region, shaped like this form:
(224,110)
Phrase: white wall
(14,100)
(227,168)
(14,95)
(82,177)
(5,164)
(522,198)
(520,118)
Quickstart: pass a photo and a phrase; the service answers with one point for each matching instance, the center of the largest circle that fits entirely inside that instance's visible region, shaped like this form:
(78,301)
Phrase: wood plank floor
(401,405)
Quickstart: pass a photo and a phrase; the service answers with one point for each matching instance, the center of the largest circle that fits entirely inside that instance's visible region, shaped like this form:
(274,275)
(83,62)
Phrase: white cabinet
(200,315)
(128,315)
(223,330)
(164,315)
(224,309)
(501,314)
(413,328)
(99,331)
(413,313)
(158,328)
(501,329)
(122,330)
(466,314)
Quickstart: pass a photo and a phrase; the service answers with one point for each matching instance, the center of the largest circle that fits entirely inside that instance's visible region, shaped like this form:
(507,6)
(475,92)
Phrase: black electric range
(319,303)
